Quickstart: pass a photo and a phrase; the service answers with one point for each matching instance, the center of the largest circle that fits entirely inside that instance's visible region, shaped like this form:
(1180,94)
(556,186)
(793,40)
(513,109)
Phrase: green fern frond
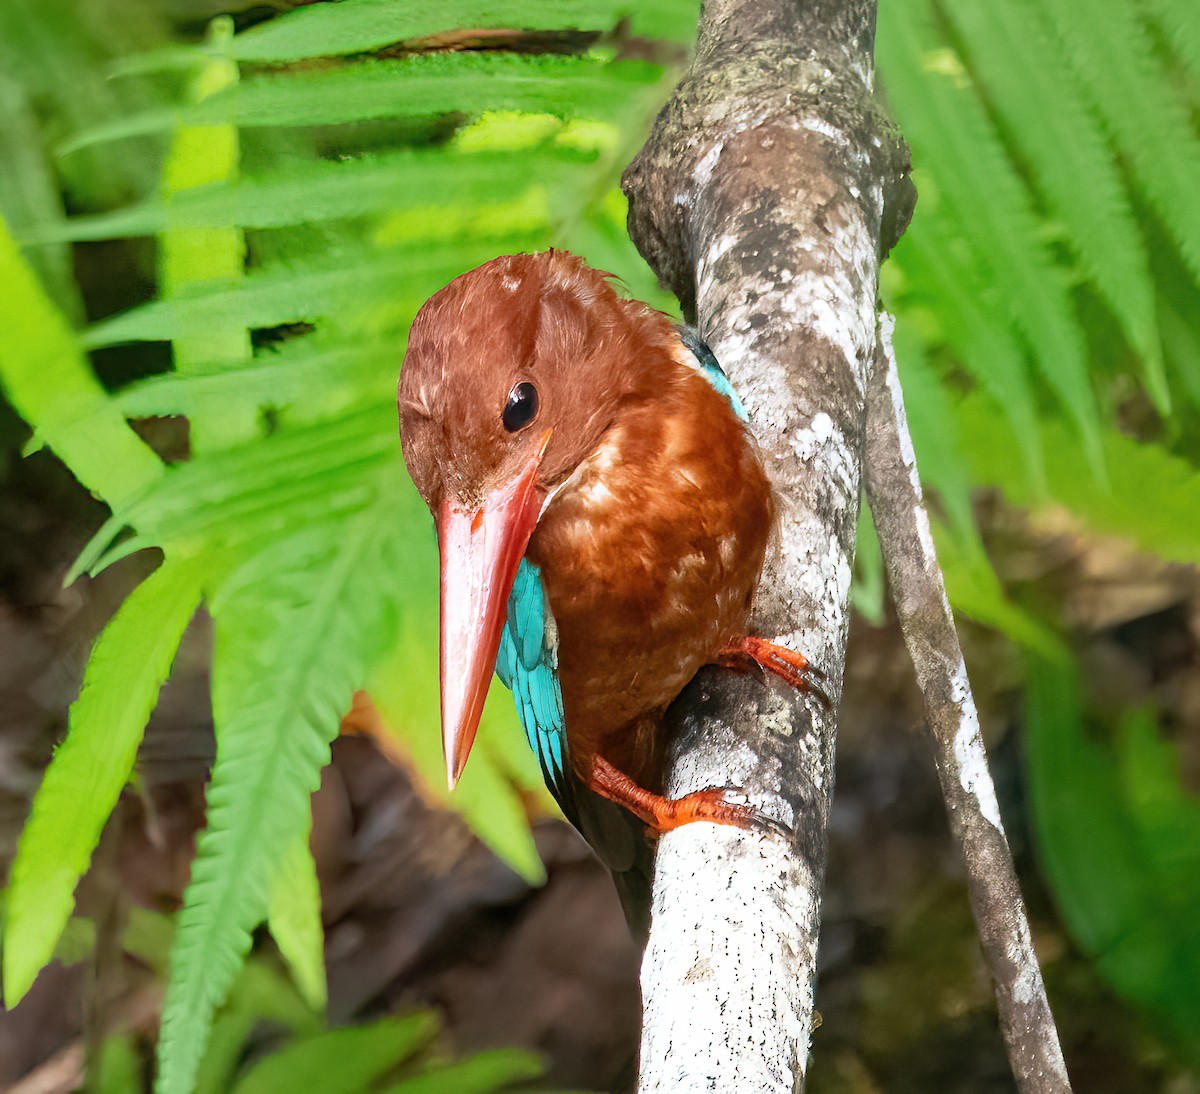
(1114,61)
(328,375)
(936,440)
(60,60)
(1178,19)
(1020,68)
(952,136)
(294,919)
(48,381)
(341,1061)
(1117,836)
(261,993)
(1152,499)
(482,1073)
(191,258)
(30,195)
(323,469)
(318,190)
(128,666)
(323,288)
(421,85)
(971,581)
(362,26)
(940,275)
(296,626)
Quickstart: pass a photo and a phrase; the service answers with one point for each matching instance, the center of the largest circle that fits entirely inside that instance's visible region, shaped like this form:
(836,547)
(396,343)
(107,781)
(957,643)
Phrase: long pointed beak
(480,552)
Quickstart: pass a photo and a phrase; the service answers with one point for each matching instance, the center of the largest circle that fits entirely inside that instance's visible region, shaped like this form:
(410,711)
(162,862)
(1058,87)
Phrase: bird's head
(513,374)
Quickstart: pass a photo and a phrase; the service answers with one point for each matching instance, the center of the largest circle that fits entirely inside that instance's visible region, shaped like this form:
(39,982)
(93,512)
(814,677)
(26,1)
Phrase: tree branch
(898,509)
(765,198)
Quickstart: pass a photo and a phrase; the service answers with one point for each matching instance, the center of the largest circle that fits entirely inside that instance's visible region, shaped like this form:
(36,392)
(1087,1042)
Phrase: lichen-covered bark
(765,198)
(898,509)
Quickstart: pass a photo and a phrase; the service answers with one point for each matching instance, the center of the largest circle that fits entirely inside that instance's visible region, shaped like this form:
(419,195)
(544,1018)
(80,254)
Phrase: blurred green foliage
(1120,842)
(310,179)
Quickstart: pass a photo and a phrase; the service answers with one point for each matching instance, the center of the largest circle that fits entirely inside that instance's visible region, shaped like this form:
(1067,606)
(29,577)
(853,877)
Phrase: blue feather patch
(527,664)
(706,362)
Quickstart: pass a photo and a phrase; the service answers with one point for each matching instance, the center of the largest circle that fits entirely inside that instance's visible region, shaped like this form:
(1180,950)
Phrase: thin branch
(898,509)
(764,199)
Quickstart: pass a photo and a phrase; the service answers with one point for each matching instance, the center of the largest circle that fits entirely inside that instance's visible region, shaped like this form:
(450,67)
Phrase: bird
(603,517)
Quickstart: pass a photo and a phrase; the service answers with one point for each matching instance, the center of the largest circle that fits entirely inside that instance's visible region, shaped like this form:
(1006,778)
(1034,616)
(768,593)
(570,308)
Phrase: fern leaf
(261,993)
(328,372)
(940,271)
(953,138)
(30,194)
(361,26)
(971,582)
(421,85)
(1044,113)
(194,257)
(49,383)
(938,444)
(1153,498)
(1132,909)
(1114,62)
(311,192)
(81,786)
(482,1073)
(294,919)
(296,627)
(1178,19)
(976,592)
(341,1061)
(60,59)
(304,291)
(285,481)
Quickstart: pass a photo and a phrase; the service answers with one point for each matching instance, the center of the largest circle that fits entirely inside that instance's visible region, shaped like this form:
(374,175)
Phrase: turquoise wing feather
(706,361)
(527,664)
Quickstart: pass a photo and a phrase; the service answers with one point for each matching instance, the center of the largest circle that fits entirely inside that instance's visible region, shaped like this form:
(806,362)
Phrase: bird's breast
(650,553)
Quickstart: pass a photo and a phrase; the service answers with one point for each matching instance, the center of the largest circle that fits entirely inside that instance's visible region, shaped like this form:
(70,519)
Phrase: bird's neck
(646,429)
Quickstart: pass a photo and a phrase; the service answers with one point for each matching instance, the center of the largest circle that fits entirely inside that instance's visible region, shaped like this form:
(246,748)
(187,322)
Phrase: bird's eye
(521,408)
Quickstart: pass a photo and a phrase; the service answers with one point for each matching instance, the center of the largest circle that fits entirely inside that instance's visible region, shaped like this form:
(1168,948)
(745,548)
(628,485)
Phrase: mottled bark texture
(898,509)
(765,198)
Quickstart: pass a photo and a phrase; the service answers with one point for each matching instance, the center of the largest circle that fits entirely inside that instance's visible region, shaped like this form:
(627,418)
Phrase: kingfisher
(602,518)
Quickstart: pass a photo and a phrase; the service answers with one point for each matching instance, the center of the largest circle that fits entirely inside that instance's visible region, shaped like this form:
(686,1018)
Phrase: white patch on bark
(706,166)
(830,303)
(819,125)
(1028,985)
(973,772)
(886,325)
(924,534)
(823,446)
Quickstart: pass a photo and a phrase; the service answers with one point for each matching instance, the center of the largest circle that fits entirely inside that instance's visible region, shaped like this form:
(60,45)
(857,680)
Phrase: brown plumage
(650,554)
(634,488)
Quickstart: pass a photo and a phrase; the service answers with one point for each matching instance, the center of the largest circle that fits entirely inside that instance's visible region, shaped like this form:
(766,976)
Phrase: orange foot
(663,814)
(791,667)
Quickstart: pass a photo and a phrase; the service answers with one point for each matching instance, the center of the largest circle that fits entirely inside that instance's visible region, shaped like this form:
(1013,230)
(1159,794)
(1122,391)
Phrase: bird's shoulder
(697,354)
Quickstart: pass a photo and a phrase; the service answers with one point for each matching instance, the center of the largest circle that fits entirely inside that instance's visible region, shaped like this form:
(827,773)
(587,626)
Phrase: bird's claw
(716,804)
(790,666)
